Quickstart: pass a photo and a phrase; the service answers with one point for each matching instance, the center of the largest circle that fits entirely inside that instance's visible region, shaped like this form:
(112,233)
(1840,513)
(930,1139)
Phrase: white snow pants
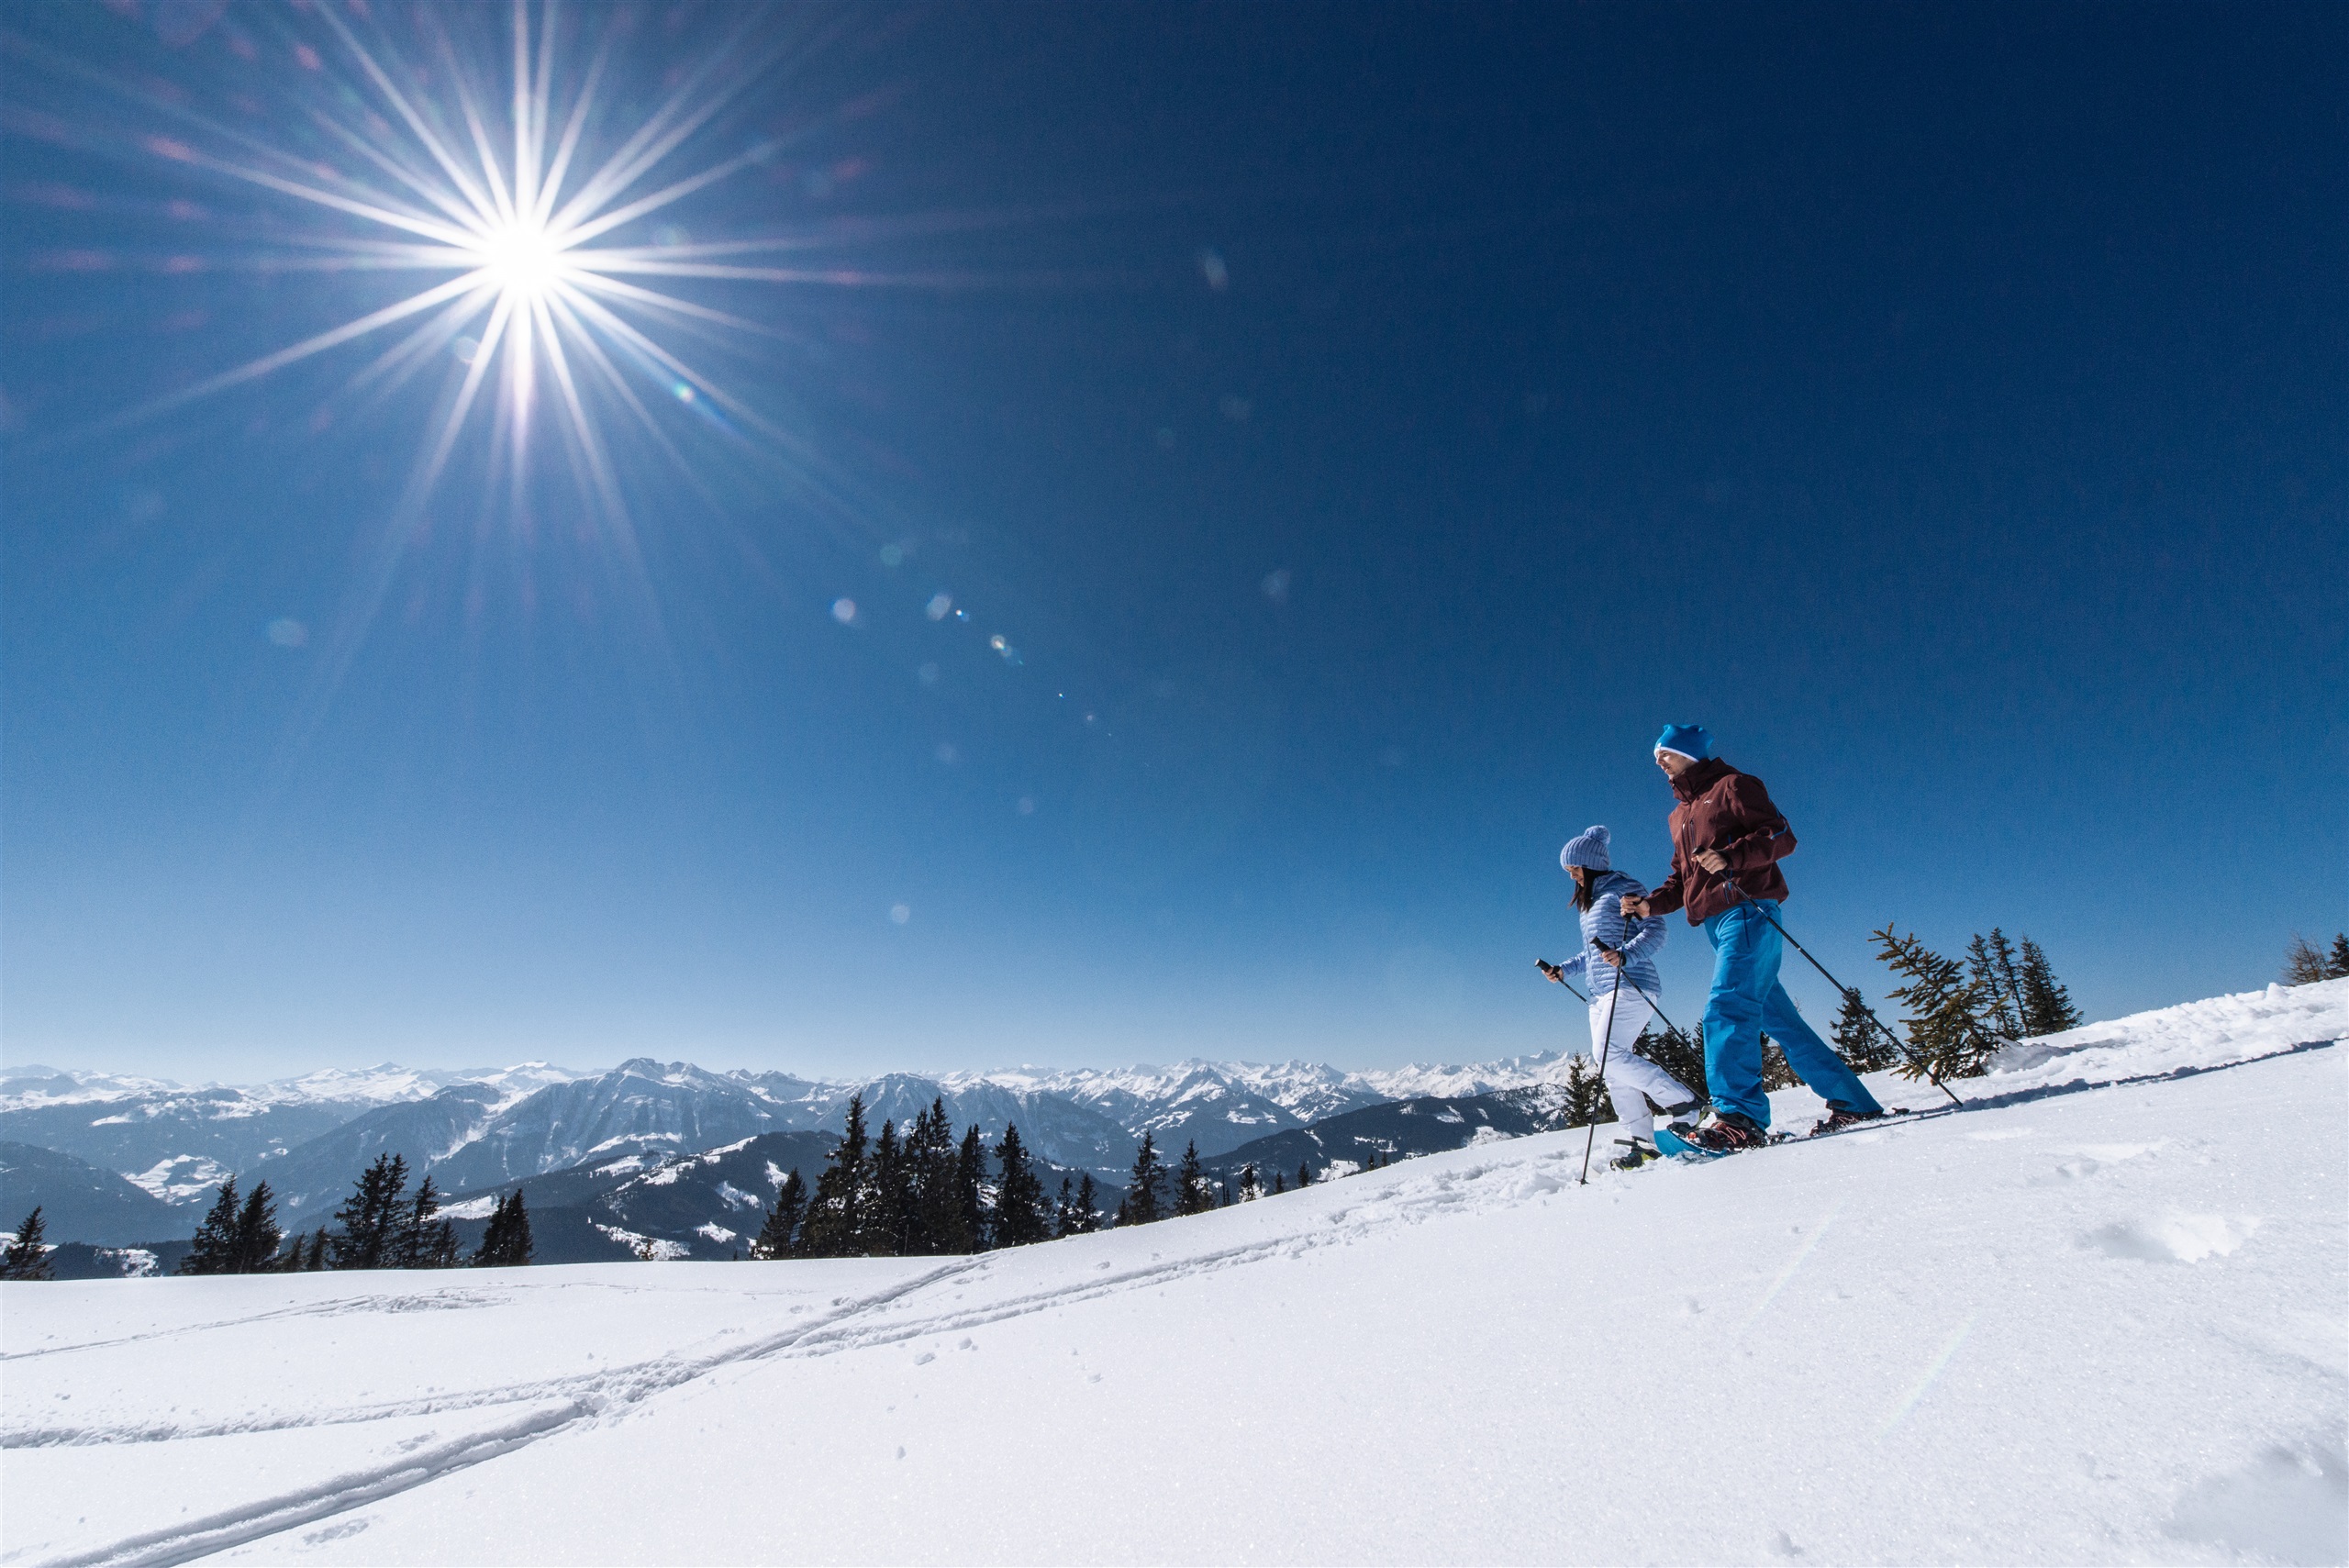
(1631,1079)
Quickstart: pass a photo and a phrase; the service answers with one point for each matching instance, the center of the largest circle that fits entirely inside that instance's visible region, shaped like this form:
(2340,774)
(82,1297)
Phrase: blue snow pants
(1747,1000)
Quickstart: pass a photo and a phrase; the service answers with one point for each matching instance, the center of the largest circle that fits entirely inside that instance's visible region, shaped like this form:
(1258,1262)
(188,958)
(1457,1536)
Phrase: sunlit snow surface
(2100,1320)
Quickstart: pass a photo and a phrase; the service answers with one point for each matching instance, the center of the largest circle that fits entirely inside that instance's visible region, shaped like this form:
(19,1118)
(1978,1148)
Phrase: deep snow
(2102,1317)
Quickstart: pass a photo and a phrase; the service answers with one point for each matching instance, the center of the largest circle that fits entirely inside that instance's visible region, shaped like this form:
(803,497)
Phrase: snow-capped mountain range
(475,1129)
(177,1141)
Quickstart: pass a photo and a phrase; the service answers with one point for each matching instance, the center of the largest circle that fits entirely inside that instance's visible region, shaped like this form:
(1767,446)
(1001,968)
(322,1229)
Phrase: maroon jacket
(1722,810)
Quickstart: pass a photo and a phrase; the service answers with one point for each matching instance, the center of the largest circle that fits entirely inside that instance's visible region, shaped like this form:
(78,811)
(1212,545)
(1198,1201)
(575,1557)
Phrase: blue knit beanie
(1587,847)
(1693,741)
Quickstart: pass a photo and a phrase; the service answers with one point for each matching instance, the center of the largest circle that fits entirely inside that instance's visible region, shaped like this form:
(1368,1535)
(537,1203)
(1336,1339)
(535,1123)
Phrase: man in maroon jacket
(1727,841)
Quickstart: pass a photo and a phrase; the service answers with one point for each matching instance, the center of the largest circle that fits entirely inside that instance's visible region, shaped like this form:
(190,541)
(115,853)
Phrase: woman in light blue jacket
(1619,953)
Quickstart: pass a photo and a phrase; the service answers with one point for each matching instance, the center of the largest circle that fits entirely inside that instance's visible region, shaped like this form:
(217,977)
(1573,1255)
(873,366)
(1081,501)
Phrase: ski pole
(1897,1043)
(1626,975)
(1606,1038)
(1555,973)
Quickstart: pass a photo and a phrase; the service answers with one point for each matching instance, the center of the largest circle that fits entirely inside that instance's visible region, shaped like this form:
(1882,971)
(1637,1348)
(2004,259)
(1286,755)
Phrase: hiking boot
(1729,1133)
(1635,1155)
(1836,1120)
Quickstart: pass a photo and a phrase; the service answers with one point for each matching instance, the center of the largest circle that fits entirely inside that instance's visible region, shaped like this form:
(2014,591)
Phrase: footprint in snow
(2174,1239)
(2088,1160)
(2290,1505)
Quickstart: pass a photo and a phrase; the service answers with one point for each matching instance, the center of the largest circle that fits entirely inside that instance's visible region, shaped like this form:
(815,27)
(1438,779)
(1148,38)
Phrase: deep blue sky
(1944,404)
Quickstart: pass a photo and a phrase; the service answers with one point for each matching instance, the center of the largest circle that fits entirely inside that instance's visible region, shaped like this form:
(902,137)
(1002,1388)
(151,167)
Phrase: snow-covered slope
(2099,1318)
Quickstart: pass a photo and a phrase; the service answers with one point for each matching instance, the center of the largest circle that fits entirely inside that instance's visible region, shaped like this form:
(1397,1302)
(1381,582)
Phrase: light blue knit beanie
(1587,847)
(1693,741)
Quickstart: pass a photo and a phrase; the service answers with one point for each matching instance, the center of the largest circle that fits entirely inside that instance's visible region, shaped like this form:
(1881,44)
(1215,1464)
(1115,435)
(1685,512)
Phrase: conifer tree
(1088,1205)
(1141,1204)
(1863,1047)
(1191,1195)
(1064,1209)
(505,1243)
(938,1214)
(780,1231)
(27,1257)
(2303,965)
(970,1191)
(835,1214)
(317,1257)
(1019,1217)
(1304,1177)
(1680,1053)
(2337,966)
(891,1203)
(1991,961)
(2046,1005)
(1948,1029)
(214,1249)
(1586,1100)
(419,1240)
(370,1216)
(1777,1073)
(1280,1182)
(254,1246)
(1252,1186)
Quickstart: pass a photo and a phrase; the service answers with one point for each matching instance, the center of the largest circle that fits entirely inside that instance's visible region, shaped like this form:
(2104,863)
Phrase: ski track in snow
(932,1300)
(568,1401)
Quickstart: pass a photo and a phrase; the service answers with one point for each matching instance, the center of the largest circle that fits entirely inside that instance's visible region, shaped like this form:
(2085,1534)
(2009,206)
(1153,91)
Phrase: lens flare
(527,167)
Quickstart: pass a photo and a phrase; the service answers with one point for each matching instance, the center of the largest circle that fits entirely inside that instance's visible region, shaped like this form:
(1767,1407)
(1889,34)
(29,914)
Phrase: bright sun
(523,259)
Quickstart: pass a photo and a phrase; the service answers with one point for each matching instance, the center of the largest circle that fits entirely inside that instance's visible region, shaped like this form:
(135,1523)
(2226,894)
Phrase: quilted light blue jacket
(1638,940)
